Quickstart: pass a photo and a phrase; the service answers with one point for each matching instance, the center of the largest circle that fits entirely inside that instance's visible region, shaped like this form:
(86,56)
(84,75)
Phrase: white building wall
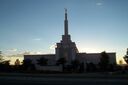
(82,57)
(95,57)
(34,58)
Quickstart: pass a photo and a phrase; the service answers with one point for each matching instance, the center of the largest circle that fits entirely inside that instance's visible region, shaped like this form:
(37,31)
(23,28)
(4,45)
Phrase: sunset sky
(36,25)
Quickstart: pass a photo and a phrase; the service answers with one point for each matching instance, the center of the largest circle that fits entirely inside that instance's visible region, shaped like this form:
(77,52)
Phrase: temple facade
(68,50)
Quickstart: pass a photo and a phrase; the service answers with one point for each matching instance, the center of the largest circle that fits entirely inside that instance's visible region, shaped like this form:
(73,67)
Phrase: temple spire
(66,23)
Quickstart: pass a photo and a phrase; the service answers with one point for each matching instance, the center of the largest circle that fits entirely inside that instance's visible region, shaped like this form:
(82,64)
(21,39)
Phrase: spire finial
(65,10)
(65,13)
(66,23)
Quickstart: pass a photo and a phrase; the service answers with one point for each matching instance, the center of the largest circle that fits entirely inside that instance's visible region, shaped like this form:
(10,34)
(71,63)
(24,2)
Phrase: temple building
(68,50)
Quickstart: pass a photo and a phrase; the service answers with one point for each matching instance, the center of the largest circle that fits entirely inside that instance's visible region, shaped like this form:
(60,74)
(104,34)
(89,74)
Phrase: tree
(104,61)
(91,67)
(28,65)
(61,61)
(120,62)
(126,57)
(17,62)
(1,57)
(6,62)
(81,67)
(5,65)
(75,64)
(42,61)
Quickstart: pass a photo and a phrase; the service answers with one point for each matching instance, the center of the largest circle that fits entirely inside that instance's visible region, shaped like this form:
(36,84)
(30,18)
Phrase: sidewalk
(73,75)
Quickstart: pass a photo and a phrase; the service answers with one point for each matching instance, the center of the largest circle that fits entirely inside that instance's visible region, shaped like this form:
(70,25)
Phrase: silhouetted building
(68,50)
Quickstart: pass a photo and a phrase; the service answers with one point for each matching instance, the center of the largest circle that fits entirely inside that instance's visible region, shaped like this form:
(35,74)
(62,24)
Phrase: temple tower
(66,48)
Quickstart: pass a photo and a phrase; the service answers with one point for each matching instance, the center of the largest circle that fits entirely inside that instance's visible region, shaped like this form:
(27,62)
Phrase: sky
(37,25)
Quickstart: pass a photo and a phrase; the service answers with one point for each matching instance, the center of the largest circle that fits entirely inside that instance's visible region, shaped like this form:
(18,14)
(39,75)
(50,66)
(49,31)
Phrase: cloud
(38,52)
(35,52)
(12,50)
(37,39)
(53,46)
(99,4)
(26,53)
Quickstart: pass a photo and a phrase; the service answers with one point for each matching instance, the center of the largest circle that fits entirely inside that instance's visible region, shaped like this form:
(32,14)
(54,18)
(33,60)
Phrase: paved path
(60,80)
